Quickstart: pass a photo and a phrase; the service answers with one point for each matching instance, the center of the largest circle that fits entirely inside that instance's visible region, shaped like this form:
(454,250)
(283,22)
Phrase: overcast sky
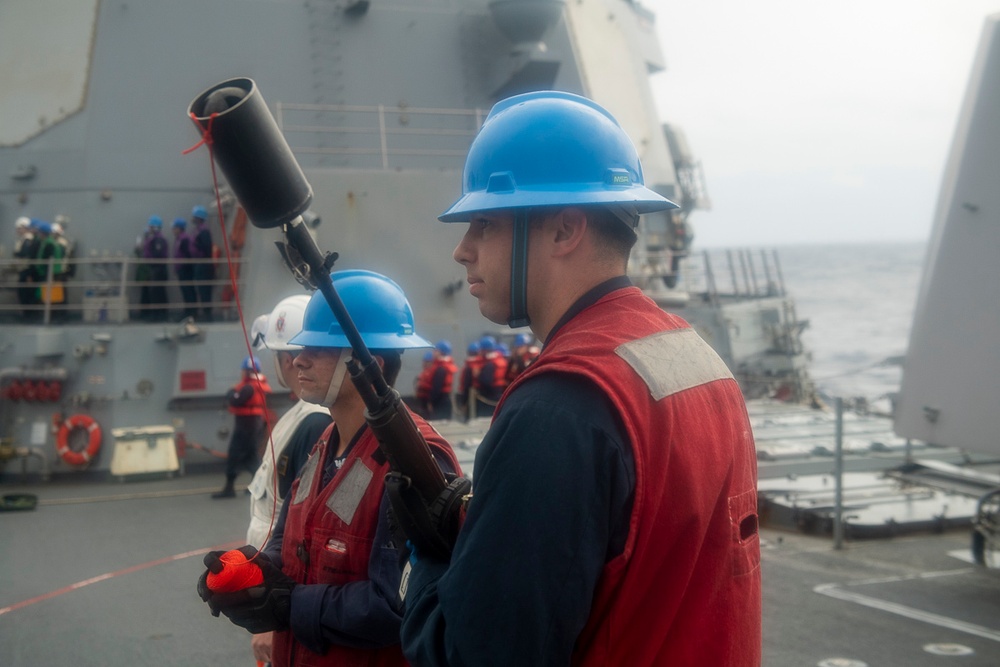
(817,122)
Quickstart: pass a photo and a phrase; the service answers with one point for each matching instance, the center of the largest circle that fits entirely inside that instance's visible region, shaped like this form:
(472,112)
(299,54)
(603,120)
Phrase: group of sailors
(489,367)
(46,260)
(40,244)
(191,241)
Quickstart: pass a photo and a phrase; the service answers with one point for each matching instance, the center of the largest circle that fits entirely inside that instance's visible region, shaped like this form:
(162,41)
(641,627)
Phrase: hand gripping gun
(268,182)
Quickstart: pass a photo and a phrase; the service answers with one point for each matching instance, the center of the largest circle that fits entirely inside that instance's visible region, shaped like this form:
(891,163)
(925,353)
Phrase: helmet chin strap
(338,379)
(277,368)
(519,272)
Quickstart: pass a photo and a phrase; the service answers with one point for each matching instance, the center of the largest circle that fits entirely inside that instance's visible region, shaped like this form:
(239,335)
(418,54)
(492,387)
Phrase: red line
(112,575)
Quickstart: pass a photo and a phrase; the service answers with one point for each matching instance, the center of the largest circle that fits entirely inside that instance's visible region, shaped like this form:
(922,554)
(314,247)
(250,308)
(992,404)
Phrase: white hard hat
(23,222)
(285,322)
(57,228)
(61,219)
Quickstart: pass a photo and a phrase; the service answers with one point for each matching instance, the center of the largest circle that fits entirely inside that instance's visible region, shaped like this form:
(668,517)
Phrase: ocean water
(859,301)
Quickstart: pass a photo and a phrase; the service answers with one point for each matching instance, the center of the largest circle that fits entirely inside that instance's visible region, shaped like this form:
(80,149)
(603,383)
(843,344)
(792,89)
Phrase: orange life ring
(62,440)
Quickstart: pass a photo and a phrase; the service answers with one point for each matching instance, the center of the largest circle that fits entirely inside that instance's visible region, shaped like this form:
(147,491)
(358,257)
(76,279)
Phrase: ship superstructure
(379,101)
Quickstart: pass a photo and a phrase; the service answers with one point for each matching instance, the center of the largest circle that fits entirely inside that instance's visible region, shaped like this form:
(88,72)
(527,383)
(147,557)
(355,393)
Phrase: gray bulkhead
(379,102)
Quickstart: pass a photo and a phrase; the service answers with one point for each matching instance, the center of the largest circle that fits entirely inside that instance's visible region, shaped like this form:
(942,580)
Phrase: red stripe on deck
(112,575)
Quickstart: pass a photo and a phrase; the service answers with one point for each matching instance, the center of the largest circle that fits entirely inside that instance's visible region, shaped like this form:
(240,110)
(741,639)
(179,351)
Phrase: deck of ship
(104,574)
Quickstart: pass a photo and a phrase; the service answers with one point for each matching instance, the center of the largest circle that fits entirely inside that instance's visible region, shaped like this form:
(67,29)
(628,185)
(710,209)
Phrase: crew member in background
(204,271)
(247,400)
(470,370)
(624,450)
(419,381)
(25,250)
(183,267)
(492,377)
(331,569)
(292,436)
(48,266)
(525,351)
(59,227)
(154,293)
(435,382)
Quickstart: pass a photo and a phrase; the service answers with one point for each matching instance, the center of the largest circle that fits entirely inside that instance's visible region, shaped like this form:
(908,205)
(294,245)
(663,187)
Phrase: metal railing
(735,273)
(109,290)
(378,136)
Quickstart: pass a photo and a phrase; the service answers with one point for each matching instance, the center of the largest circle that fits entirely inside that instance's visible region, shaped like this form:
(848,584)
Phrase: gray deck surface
(133,549)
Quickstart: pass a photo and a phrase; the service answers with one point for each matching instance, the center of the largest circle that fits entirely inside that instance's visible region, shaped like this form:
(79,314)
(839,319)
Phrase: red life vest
(257,405)
(329,533)
(425,381)
(520,361)
(686,590)
(500,373)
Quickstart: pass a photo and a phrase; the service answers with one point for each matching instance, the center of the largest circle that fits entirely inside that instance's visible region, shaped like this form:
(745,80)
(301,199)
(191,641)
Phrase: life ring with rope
(86,455)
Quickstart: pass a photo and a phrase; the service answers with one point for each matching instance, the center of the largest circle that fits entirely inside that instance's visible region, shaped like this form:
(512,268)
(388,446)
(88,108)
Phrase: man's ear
(569,227)
(377,357)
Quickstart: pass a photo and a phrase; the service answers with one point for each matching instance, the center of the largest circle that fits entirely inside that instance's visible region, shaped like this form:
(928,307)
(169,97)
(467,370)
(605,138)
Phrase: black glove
(262,608)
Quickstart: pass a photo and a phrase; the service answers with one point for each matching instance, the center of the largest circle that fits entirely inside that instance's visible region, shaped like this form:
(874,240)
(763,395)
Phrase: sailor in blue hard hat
(383,317)
(340,573)
(247,402)
(435,382)
(623,450)
(203,273)
(524,352)
(155,273)
(542,152)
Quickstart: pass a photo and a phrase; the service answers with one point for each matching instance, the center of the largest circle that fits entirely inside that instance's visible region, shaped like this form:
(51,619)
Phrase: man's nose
(462,253)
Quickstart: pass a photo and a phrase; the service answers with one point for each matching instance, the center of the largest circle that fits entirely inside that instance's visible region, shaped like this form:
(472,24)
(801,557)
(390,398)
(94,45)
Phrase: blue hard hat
(522,339)
(551,148)
(42,226)
(443,346)
(199,212)
(251,363)
(487,343)
(378,307)
(180,222)
(473,348)
(155,221)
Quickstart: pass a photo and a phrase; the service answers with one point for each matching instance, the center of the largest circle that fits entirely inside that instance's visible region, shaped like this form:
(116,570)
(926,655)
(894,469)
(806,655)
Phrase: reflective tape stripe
(672,361)
(350,491)
(306,478)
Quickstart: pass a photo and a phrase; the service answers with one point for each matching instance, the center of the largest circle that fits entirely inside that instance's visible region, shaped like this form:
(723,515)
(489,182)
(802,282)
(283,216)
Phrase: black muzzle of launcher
(251,152)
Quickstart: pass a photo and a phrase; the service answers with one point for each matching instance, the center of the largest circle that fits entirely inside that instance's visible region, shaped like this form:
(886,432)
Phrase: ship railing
(379,136)
(742,273)
(111,290)
(716,275)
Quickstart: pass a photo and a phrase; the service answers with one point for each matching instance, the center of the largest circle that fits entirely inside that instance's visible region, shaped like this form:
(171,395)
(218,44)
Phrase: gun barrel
(406,448)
